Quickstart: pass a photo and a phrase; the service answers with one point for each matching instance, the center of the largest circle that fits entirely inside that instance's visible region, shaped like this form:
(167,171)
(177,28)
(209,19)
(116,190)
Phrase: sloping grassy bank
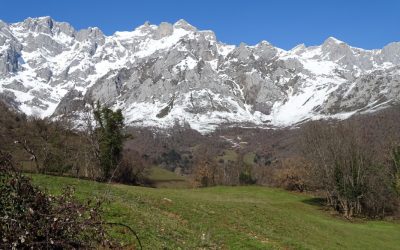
(227,218)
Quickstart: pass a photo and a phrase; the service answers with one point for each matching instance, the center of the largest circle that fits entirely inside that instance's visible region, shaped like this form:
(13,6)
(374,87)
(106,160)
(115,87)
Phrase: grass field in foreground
(228,218)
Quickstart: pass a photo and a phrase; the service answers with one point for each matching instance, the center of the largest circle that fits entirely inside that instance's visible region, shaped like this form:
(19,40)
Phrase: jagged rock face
(173,72)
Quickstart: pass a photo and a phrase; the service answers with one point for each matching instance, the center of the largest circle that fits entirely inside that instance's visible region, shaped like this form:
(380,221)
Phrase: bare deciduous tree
(349,164)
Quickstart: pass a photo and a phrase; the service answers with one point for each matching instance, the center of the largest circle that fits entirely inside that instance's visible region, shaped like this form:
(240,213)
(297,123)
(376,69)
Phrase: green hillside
(228,218)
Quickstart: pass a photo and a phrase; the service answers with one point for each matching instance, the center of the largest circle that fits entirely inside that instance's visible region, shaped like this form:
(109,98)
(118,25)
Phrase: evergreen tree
(110,138)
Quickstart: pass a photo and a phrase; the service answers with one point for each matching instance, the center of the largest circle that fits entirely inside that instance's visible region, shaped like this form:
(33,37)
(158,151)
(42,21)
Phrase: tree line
(357,169)
(354,164)
(55,146)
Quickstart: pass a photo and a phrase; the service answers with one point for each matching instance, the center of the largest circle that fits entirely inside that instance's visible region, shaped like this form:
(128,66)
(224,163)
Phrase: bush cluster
(32,219)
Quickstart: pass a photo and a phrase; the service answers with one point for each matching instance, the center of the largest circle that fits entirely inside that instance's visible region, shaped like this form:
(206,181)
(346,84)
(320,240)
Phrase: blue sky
(368,24)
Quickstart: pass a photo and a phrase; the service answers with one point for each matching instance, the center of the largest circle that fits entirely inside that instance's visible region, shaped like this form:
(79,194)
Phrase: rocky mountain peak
(91,34)
(45,25)
(39,24)
(147,27)
(332,41)
(182,24)
(163,30)
(299,48)
(391,53)
(334,49)
(160,75)
(3,24)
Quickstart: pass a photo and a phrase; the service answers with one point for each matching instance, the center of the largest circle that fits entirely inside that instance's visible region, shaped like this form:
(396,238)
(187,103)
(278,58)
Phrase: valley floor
(227,218)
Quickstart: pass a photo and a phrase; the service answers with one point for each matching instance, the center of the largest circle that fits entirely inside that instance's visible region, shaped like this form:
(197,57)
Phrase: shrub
(245,178)
(132,169)
(203,175)
(54,163)
(30,218)
(292,174)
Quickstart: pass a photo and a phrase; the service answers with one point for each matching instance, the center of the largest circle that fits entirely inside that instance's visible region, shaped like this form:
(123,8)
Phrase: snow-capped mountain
(159,75)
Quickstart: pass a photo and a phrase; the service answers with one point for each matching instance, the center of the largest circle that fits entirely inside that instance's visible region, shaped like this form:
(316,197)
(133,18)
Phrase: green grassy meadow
(248,217)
